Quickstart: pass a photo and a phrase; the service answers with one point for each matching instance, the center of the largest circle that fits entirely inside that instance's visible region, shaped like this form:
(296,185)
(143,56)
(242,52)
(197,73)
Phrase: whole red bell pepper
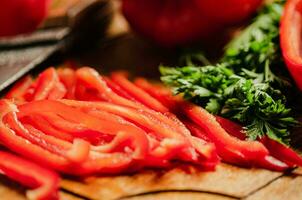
(290,39)
(21,16)
(172,23)
(43,182)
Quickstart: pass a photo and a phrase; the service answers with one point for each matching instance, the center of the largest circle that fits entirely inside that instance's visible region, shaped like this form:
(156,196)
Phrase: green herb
(256,48)
(242,87)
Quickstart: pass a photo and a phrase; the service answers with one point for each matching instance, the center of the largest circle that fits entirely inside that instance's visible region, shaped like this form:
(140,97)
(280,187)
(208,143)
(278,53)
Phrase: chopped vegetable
(44,184)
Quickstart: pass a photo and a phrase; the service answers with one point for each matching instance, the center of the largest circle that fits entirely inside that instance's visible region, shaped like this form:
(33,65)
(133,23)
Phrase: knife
(81,26)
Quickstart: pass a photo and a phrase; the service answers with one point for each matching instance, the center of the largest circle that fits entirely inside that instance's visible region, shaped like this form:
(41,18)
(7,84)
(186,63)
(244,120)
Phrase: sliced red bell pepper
(77,152)
(149,121)
(76,118)
(68,78)
(282,152)
(279,151)
(232,128)
(290,39)
(18,91)
(96,163)
(43,182)
(162,95)
(140,95)
(48,86)
(90,78)
(117,89)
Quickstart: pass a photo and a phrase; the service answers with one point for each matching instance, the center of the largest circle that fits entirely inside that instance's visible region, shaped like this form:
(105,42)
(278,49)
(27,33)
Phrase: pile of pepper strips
(77,122)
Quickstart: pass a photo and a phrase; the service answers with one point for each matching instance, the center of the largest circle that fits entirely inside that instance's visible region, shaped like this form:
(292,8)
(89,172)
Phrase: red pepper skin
(91,79)
(171,23)
(48,86)
(232,128)
(45,183)
(171,144)
(279,151)
(140,95)
(68,78)
(282,152)
(21,16)
(117,89)
(76,117)
(290,39)
(109,163)
(52,144)
(19,89)
(228,12)
(203,148)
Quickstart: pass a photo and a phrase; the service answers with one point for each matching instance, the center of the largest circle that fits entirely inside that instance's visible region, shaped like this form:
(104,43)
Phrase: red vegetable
(43,182)
(171,23)
(21,16)
(228,12)
(19,90)
(290,39)
(282,152)
(137,93)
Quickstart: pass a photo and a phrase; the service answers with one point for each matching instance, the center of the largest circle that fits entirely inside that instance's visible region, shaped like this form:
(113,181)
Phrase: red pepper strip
(58,92)
(91,79)
(96,163)
(162,95)
(44,181)
(282,152)
(170,138)
(154,144)
(43,125)
(45,84)
(68,78)
(232,128)
(77,117)
(18,91)
(76,152)
(140,95)
(271,163)
(74,130)
(290,38)
(267,162)
(19,145)
(52,144)
(279,151)
(117,89)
